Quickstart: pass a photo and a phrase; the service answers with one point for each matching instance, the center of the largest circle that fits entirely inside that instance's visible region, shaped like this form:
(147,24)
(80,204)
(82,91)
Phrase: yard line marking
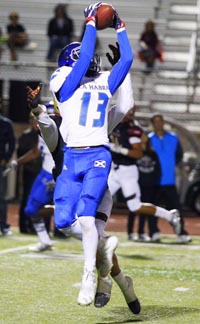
(182,289)
(161,245)
(13,250)
(51,255)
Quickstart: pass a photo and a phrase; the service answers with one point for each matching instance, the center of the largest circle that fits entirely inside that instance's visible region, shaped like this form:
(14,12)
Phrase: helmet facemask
(94,67)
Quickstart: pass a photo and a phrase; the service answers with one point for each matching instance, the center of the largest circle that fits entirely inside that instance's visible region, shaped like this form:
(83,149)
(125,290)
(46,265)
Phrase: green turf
(43,288)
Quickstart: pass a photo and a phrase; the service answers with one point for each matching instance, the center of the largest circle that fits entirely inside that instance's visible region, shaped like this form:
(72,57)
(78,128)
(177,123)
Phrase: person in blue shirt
(169,150)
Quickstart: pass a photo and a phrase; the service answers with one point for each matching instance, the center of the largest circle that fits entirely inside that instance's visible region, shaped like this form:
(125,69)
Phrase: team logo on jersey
(100,164)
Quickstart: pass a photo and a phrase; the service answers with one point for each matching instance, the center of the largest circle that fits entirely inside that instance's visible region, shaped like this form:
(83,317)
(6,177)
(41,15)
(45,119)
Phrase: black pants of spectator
(168,197)
(147,196)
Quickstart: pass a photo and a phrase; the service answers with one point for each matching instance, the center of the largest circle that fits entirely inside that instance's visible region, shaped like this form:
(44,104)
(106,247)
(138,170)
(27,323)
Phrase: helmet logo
(74,55)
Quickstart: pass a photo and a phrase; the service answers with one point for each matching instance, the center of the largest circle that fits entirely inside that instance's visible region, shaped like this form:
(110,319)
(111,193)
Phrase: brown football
(104,17)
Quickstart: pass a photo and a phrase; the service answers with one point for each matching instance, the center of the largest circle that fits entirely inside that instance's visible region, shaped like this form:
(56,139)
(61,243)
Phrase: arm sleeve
(74,78)
(49,130)
(121,68)
(124,103)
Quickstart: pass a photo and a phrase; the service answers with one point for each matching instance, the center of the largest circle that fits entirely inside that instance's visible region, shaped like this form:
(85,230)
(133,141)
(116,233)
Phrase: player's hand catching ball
(91,11)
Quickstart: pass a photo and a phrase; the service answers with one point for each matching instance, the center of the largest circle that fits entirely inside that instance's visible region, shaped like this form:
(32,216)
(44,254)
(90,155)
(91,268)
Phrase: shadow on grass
(149,313)
(135,256)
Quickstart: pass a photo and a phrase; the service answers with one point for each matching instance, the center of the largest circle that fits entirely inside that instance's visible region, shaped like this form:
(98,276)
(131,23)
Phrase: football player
(82,94)
(41,193)
(126,149)
(52,136)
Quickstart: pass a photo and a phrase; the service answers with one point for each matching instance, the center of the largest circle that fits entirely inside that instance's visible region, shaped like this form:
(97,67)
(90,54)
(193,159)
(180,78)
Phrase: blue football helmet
(70,54)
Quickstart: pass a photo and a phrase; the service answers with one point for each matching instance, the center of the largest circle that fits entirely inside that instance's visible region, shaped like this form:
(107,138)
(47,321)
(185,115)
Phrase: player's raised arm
(47,126)
(122,67)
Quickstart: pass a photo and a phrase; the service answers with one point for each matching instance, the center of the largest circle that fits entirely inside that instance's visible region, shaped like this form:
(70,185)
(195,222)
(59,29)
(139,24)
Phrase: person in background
(150,48)
(7,148)
(17,35)
(27,172)
(59,30)
(149,175)
(170,153)
(126,149)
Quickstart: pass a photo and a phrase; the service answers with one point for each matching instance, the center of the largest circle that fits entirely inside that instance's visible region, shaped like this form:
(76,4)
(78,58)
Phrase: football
(104,17)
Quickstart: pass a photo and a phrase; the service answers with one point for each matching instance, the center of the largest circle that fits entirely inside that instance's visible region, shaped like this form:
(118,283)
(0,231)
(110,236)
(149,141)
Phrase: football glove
(117,22)
(33,96)
(118,149)
(115,54)
(91,11)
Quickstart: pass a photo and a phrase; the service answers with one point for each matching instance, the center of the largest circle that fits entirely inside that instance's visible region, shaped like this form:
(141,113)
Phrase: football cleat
(88,288)
(103,292)
(176,221)
(106,248)
(129,295)
(41,247)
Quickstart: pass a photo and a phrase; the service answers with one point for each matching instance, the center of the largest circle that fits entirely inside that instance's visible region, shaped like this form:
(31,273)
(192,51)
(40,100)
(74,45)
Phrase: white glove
(13,164)
(118,149)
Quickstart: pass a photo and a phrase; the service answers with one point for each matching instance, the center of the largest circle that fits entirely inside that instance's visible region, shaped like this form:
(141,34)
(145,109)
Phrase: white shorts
(125,177)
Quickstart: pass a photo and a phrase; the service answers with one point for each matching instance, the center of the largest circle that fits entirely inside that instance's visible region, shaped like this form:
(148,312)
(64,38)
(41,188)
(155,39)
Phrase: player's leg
(131,191)
(95,166)
(134,200)
(125,283)
(114,180)
(104,284)
(39,196)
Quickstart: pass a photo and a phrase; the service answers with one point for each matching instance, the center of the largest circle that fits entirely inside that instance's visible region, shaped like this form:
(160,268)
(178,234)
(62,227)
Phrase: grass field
(43,288)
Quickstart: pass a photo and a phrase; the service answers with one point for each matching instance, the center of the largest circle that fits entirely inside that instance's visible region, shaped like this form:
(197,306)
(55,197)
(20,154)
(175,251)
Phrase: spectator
(149,175)
(17,35)
(7,147)
(169,150)
(60,30)
(27,141)
(150,49)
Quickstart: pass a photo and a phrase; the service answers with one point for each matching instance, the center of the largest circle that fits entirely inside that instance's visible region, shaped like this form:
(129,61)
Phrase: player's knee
(31,210)
(62,218)
(87,223)
(134,205)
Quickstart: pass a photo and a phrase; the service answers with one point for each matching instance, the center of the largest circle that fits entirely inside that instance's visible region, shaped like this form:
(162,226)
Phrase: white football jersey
(85,113)
(47,160)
